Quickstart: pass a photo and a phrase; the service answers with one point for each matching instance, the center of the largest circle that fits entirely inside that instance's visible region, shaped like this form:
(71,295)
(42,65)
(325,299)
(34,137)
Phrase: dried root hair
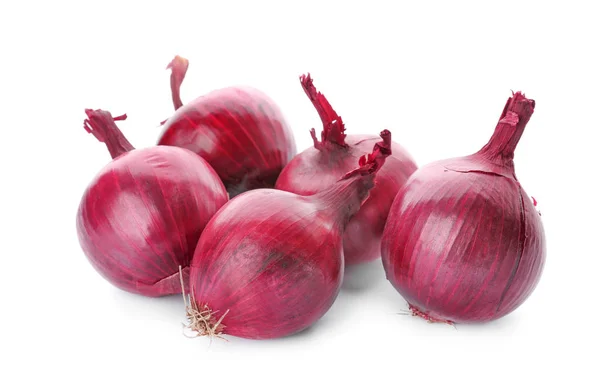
(201,320)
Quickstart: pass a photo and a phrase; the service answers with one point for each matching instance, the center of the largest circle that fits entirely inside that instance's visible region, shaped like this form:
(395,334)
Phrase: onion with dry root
(270,263)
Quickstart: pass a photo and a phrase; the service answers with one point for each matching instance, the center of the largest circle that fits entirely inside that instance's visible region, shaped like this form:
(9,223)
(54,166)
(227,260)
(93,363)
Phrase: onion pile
(239,131)
(459,238)
(320,166)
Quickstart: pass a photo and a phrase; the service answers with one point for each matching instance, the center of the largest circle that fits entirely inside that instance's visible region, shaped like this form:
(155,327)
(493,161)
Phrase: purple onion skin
(141,217)
(463,242)
(314,170)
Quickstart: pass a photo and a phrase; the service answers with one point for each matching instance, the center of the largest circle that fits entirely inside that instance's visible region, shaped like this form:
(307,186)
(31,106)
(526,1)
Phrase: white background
(436,74)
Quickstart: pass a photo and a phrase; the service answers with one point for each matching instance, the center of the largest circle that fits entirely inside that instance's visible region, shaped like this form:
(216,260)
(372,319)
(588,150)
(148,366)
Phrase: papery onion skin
(270,263)
(140,219)
(463,242)
(240,131)
(320,166)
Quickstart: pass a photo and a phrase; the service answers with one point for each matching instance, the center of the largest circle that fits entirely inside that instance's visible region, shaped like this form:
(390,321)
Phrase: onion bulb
(463,241)
(140,218)
(239,131)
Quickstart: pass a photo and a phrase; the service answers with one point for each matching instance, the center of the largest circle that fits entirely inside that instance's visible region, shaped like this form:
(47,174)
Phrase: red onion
(240,131)
(318,167)
(463,241)
(270,262)
(140,219)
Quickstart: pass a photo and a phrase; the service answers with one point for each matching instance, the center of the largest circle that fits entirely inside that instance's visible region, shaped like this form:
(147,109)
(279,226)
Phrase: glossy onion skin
(276,266)
(141,217)
(240,131)
(314,170)
(429,263)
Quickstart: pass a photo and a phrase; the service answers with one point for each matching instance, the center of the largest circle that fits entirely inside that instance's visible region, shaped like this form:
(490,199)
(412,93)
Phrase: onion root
(417,312)
(201,321)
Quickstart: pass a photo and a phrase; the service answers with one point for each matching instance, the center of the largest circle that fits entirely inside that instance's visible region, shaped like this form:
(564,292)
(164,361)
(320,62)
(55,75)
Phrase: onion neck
(346,196)
(501,146)
(102,125)
(332,135)
(178,67)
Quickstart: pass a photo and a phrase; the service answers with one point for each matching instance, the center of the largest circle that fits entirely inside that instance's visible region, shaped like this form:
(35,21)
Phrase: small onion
(240,131)
(463,241)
